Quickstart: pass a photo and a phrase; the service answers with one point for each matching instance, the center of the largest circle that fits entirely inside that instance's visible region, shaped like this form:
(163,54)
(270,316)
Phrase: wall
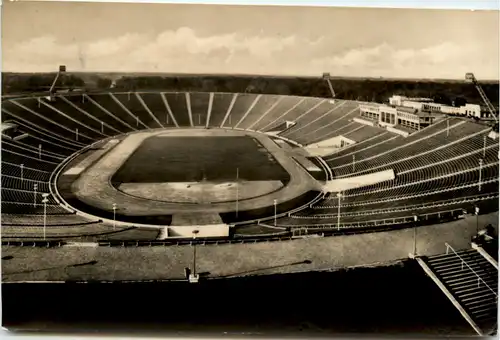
(399,132)
(214,230)
(331,142)
(363,121)
(343,184)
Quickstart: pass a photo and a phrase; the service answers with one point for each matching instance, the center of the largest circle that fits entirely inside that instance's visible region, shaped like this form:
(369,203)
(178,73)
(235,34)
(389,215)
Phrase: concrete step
(476,293)
(436,258)
(480,300)
(458,264)
(466,271)
(469,289)
(486,315)
(469,278)
(476,309)
(453,258)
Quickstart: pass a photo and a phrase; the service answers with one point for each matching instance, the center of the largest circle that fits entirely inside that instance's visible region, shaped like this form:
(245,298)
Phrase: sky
(267,40)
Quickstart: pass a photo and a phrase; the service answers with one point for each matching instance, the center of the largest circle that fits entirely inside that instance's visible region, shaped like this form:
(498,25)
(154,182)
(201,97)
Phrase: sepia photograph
(240,169)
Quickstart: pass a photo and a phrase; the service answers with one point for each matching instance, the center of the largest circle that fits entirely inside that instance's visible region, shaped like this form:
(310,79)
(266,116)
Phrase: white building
(473,110)
(426,105)
(398,116)
(399,100)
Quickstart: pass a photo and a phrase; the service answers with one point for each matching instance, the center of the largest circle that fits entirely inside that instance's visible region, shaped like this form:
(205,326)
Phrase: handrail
(387,188)
(25,167)
(463,261)
(403,207)
(364,223)
(402,197)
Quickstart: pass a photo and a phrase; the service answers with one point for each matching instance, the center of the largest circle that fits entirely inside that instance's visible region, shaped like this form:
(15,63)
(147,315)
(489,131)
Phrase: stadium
(152,168)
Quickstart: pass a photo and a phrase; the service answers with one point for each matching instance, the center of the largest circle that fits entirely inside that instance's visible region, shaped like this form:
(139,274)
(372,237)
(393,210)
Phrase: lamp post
(193,278)
(415,219)
(237,189)
(339,195)
(39,151)
(476,211)
(22,171)
(480,173)
(275,211)
(114,216)
(35,188)
(45,201)
(484,146)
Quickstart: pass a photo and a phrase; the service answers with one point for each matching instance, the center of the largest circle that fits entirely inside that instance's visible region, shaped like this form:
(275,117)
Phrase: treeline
(449,93)
(373,90)
(15,83)
(40,82)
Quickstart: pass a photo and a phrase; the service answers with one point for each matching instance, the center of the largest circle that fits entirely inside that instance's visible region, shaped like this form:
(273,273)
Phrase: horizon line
(221,74)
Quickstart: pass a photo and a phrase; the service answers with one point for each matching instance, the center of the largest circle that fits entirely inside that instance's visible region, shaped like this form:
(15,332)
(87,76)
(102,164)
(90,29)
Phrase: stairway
(471,283)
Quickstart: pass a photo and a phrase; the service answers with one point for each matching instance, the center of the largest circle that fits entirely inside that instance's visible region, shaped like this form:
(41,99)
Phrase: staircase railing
(448,247)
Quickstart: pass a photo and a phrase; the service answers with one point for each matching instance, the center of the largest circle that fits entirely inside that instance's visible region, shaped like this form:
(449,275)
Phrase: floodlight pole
(39,151)
(45,201)
(22,172)
(353,161)
(60,73)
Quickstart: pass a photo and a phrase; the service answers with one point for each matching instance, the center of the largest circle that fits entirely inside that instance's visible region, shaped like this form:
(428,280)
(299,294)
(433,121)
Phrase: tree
(104,83)
(441,98)
(459,101)
(72,81)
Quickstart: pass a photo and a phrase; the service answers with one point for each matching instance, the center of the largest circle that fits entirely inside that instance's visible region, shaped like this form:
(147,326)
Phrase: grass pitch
(197,159)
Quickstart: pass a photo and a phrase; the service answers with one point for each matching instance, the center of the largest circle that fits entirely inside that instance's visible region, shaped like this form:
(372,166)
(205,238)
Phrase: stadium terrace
(150,167)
